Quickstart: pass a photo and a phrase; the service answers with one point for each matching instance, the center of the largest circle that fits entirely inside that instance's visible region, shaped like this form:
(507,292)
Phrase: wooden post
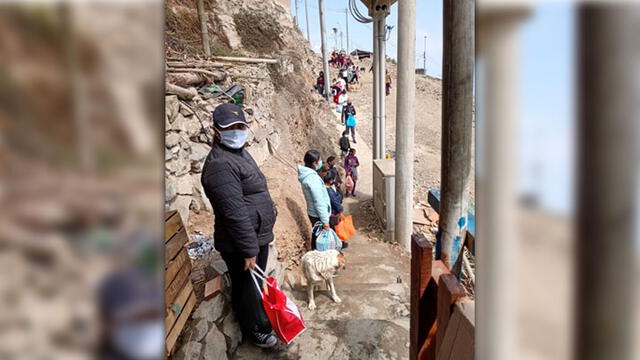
(449,291)
(457,114)
(429,311)
(203,27)
(421,261)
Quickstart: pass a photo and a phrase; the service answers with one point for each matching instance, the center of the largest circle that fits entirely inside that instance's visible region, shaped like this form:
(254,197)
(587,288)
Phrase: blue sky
(429,23)
(547,131)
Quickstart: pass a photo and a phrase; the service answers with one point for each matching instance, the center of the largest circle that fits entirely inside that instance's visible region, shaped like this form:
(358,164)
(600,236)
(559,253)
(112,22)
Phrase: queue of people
(322,188)
(340,59)
(245,214)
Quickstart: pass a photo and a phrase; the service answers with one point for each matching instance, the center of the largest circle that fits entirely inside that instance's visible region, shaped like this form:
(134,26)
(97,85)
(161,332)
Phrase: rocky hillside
(286,116)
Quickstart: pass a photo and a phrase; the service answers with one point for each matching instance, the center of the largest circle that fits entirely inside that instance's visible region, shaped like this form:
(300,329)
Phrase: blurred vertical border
(558,88)
(81,148)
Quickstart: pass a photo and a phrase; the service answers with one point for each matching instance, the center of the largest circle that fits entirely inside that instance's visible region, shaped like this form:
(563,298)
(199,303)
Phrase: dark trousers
(246,302)
(353,132)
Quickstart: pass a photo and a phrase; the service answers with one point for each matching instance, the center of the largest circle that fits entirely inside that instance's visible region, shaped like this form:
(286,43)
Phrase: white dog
(319,266)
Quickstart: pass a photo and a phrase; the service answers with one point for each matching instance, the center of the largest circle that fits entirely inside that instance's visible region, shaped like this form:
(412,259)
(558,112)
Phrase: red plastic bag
(283,314)
(345,228)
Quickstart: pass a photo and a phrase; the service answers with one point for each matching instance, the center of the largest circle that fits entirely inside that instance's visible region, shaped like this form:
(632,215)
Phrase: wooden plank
(429,313)
(200,64)
(432,215)
(172,338)
(174,309)
(449,291)
(171,226)
(421,264)
(174,267)
(428,349)
(174,245)
(459,338)
(176,285)
(244,59)
(419,217)
(438,269)
(212,288)
(169,214)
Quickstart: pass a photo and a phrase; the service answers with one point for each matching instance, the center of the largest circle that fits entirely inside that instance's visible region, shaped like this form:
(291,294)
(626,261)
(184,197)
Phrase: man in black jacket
(244,217)
(347,110)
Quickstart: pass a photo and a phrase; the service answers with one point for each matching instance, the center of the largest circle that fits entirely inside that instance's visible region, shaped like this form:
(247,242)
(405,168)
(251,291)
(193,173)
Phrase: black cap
(229,114)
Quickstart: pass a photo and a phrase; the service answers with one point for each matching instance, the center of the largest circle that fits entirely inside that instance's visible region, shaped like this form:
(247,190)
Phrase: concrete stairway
(372,322)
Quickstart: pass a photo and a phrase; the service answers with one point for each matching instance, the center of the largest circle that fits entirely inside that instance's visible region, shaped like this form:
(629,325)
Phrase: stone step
(339,340)
(366,247)
(356,304)
(370,273)
(399,289)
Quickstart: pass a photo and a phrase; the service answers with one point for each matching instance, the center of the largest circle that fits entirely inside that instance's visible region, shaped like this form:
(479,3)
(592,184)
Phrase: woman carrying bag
(315,193)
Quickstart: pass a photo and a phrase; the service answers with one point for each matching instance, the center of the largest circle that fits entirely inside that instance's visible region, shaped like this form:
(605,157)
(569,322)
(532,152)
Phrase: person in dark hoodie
(334,198)
(345,145)
(336,202)
(337,181)
(244,217)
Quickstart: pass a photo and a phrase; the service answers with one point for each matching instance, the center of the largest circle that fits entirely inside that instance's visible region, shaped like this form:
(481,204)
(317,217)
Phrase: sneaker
(264,340)
(354,141)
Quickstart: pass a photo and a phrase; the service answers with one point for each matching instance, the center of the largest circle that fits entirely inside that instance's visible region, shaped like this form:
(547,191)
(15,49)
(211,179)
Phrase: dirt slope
(286,116)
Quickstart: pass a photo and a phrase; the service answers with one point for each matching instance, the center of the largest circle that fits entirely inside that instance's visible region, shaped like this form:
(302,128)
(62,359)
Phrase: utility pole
(376,93)
(496,190)
(405,122)
(335,39)
(306,14)
(204,31)
(341,42)
(457,117)
(323,40)
(382,62)
(424,56)
(346,13)
(295,18)
(607,230)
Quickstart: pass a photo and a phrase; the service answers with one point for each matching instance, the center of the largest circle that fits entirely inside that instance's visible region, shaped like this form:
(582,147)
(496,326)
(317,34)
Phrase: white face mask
(234,139)
(141,341)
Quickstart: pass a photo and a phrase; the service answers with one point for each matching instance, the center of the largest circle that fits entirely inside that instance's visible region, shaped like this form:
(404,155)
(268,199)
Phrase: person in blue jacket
(315,193)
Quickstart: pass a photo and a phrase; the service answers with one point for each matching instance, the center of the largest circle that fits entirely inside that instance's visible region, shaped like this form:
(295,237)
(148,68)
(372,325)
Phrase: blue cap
(229,114)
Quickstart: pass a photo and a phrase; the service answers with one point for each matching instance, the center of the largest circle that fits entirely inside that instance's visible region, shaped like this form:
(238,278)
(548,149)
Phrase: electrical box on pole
(376,7)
